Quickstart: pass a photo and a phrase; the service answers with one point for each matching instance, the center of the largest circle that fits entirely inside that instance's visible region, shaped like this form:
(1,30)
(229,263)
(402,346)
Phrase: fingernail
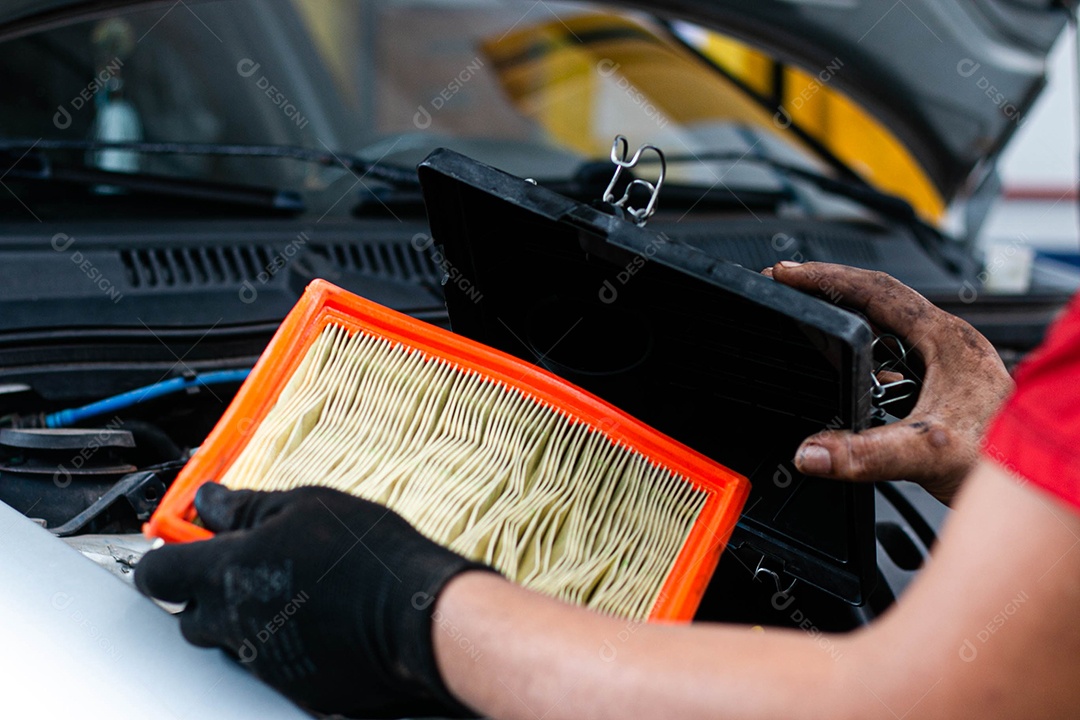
(789,263)
(814,460)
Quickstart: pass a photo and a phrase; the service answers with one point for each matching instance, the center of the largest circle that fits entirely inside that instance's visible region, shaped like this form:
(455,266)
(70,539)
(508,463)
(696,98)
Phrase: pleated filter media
(483,453)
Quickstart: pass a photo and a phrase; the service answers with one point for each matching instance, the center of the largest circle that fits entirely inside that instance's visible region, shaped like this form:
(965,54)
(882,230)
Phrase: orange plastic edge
(323,303)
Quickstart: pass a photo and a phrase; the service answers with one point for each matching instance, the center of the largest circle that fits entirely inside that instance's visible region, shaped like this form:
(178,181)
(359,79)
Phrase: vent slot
(232,265)
(753,251)
(761,250)
(398,260)
(841,247)
(195,266)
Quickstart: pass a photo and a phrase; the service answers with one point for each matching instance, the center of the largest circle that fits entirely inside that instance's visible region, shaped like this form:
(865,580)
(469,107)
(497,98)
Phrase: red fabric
(1037,432)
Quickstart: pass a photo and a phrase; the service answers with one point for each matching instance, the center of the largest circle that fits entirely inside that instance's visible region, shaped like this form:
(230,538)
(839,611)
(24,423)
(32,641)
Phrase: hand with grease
(964,384)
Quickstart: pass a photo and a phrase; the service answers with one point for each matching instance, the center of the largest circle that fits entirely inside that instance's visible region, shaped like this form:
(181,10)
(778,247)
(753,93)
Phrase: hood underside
(952,78)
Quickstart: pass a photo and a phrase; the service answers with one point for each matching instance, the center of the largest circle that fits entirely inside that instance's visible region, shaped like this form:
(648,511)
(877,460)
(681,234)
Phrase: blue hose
(72,416)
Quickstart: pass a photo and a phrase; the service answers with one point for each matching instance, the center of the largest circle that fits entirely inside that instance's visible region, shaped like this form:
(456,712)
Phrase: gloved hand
(965,382)
(325,596)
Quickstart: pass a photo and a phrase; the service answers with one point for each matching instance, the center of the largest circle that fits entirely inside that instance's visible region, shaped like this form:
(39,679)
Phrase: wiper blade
(869,197)
(397,203)
(591,179)
(683,197)
(860,192)
(35,167)
(392,202)
(392,175)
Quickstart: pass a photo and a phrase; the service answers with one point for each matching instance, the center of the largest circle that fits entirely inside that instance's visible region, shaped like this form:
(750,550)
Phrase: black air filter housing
(722,359)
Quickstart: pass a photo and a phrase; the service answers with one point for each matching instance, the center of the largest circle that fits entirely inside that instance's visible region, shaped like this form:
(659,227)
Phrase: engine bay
(100,410)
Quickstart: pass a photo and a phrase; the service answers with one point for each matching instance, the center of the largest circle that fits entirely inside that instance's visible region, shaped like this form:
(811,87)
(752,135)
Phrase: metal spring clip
(762,570)
(885,394)
(619,150)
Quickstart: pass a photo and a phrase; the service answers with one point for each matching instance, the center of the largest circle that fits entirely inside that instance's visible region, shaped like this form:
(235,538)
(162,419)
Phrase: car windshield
(534,89)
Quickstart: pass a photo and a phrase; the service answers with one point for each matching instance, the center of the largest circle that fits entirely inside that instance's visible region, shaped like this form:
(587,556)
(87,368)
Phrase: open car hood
(952,78)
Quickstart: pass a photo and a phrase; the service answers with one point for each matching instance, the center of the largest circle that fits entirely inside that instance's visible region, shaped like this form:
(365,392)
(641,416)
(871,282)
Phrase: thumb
(174,573)
(223,510)
(883,453)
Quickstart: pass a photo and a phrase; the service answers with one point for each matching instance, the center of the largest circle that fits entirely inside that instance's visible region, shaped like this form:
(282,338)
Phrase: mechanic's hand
(965,382)
(325,596)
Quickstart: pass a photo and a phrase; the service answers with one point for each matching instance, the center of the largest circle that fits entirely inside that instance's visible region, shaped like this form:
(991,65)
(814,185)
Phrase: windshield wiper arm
(393,175)
(591,178)
(35,167)
(860,192)
(866,195)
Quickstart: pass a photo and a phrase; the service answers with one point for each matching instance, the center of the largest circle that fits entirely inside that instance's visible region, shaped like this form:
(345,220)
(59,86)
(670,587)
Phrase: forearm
(513,654)
(987,632)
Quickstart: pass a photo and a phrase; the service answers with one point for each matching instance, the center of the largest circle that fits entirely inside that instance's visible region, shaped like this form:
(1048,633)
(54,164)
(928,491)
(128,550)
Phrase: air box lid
(721,358)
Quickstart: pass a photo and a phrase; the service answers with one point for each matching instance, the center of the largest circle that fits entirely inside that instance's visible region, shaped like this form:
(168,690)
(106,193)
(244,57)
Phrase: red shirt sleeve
(1037,432)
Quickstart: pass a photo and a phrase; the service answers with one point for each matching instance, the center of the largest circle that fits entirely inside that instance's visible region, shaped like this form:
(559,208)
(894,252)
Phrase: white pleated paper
(478,467)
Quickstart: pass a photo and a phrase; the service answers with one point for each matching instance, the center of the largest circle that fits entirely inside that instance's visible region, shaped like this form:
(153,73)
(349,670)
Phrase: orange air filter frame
(323,303)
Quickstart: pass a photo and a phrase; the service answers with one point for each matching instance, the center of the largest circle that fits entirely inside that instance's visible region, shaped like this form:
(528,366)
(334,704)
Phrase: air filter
(484,453)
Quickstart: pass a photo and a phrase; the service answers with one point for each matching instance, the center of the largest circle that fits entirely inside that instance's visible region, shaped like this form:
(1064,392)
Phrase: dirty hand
(964,384)
(325,596)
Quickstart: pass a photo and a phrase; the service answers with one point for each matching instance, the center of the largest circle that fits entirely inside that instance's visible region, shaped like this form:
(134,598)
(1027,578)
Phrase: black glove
(327,597)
